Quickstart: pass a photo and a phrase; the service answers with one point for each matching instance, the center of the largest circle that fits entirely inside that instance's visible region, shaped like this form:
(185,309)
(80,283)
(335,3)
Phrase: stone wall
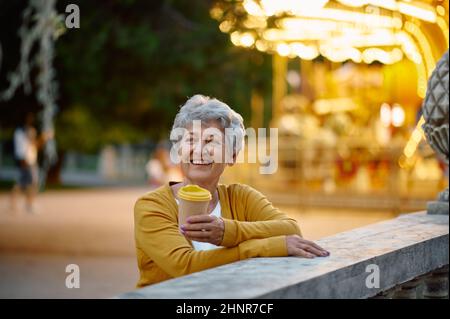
(406,257)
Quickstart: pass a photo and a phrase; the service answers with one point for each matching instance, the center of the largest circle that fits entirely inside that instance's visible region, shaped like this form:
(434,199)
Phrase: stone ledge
(403,249)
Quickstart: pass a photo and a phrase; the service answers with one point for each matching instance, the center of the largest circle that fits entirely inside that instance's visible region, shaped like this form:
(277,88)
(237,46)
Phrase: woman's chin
(198,177)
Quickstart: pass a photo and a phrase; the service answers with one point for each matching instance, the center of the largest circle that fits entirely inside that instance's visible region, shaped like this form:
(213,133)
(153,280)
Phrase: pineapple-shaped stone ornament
(435,112)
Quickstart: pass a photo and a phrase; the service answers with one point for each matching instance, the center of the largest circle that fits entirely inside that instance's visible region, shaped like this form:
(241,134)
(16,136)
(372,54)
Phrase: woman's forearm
(236,232)
(184,261)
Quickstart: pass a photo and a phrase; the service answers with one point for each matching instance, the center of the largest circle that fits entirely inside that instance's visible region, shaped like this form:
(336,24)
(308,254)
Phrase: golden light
(271,7)
(362,31)
(387,4)
(304,51)
(417,10)
(358,30)
(324,106)
(225,26)
(261,45)
(385,115)
(247,40)
(440,10)
(414,140)
(235,38)
(253,8)
(398,115)
(283,49)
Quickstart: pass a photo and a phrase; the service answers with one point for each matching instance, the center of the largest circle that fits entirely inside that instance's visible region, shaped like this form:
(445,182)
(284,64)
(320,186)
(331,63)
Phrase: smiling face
(203,152)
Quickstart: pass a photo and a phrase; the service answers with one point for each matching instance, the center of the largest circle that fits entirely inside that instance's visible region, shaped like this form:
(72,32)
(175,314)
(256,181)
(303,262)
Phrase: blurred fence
(113,165)
(346,174)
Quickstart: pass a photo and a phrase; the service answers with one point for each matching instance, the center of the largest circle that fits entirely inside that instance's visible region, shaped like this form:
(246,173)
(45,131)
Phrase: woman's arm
(262,219)
(159,237)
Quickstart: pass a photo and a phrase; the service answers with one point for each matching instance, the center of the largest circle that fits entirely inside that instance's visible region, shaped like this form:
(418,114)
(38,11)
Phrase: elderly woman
(240,222)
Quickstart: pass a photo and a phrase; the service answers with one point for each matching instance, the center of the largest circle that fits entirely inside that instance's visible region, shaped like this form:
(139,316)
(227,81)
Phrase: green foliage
(125,72)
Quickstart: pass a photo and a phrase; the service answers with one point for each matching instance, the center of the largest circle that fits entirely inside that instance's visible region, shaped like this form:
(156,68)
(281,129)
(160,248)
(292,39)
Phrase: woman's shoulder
(239,190)
(159,197)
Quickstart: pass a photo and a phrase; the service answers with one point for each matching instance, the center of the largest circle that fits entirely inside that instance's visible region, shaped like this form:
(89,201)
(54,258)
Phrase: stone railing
(406,257)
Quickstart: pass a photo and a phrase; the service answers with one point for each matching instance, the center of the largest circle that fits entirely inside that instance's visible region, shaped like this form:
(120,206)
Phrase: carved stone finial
(435,112)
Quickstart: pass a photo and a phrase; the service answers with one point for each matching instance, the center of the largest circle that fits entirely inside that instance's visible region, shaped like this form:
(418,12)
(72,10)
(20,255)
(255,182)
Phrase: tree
(123,74)
(132,63)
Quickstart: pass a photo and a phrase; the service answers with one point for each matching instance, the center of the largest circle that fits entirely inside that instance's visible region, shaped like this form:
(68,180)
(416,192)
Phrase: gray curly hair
(205,109)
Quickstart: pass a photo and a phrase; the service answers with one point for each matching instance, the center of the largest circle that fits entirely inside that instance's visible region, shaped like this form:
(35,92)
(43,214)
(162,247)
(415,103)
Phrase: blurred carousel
(349,78)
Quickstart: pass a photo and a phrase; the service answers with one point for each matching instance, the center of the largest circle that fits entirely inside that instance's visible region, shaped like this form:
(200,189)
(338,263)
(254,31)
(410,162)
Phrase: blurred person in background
(240,222)
(26,146)
(160,169)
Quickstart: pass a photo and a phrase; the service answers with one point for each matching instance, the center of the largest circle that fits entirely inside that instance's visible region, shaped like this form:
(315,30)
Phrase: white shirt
(24,148)
(217,211)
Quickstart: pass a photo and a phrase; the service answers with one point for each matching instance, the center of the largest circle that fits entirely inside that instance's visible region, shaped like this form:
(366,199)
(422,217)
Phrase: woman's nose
(197,150)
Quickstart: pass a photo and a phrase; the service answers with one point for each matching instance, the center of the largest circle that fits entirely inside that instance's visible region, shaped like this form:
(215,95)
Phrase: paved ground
(94,229)
(25,275)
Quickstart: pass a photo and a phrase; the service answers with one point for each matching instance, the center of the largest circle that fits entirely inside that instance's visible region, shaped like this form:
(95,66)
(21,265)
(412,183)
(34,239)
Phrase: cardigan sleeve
(260,218)
(159,237)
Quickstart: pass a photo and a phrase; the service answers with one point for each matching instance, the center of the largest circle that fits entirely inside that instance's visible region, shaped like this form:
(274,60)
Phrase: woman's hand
(204,228)
(297,246)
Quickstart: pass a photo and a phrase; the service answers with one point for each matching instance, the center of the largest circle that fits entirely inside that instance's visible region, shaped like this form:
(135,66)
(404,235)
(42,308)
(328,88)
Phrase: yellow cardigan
(253,228)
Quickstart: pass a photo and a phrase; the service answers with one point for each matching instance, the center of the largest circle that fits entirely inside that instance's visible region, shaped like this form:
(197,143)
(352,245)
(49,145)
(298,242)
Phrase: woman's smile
(200,163)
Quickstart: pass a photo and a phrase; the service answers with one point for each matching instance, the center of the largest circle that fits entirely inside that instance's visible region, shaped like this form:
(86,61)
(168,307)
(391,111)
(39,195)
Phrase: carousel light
(283,49)
(354,3)
(410,149)
(360,38)
(442,24)
(339,54)
(379,37)
(325,106)
(418,11)
(261,45)
(385,115)
(414,141)
(253,8)
(307,24)
(387,4)
(216,13)
(225,26)
(293,78)
(247,40)
(386,57)
(306,52)
(440,10)
(416,136)
(398,115)
(235,38)
(409,47)
(396,55)
(354,55)
(273,7)
(254,22)
(415,31)
(421,80)
(307,7)
(368,19)
(317,30)
(341,34)
(276,35)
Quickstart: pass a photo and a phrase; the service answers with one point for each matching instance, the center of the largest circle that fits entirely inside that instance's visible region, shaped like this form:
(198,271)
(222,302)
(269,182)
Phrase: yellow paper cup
(194,200)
